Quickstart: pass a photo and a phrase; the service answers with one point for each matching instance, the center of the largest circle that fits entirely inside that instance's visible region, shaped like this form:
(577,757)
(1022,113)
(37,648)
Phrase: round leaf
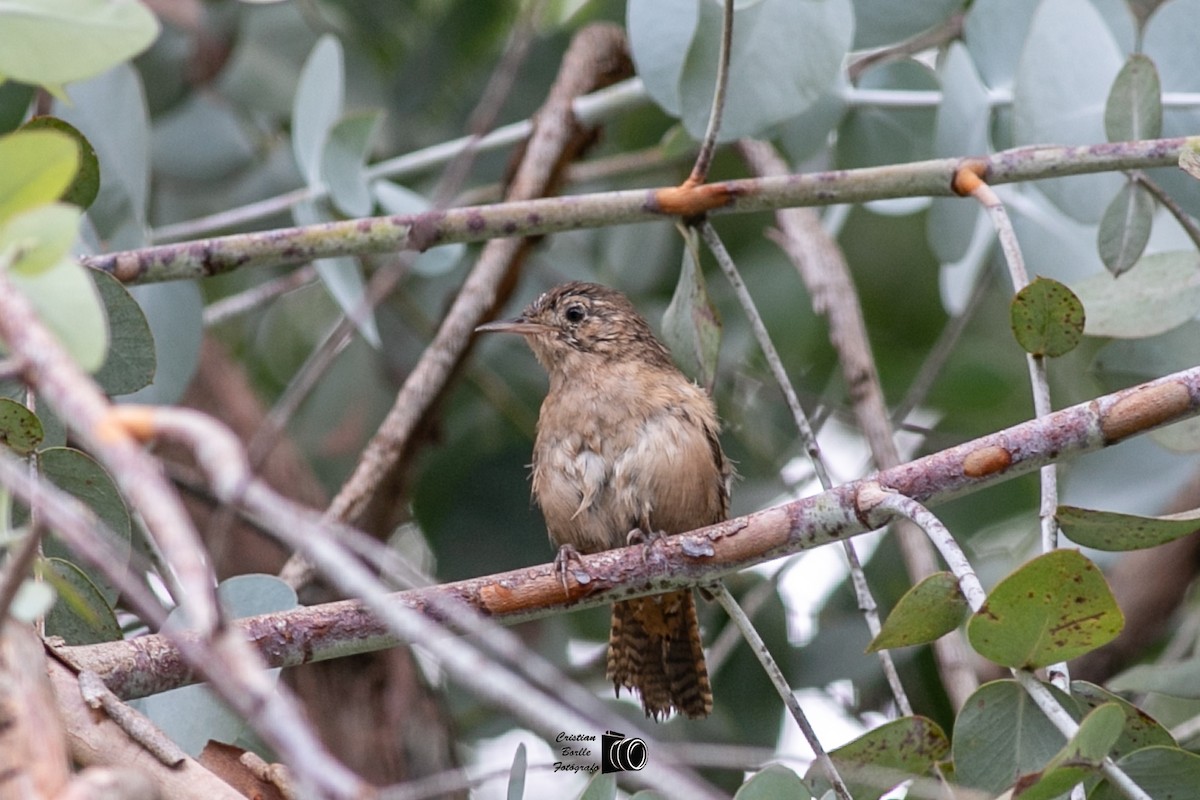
(82,615)
(20,429)
(771,782)
(785,56)
(882,757)
(1054,608)
(78,474)
(1125,227)
(1160,292)
(86,185)
(926,612)
(58,41)
(1141,730)
(1162,772)
(1047,318)
(1081,756)
(1000,734)
(1068,62)
(1108,530)
(36,167)
(41,237)
(1134,108)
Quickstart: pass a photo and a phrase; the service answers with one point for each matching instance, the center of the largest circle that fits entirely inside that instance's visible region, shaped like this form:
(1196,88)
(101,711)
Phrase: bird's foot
(562,565)
(650,543)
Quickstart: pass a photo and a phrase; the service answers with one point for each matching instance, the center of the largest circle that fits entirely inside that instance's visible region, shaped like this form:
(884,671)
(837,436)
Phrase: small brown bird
(626,445)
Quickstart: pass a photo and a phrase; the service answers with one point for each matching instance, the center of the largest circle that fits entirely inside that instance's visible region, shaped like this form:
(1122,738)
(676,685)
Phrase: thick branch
(149,664)
(550,215)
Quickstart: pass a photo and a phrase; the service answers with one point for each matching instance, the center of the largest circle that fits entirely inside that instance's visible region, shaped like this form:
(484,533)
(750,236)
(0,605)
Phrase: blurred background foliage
(204,121)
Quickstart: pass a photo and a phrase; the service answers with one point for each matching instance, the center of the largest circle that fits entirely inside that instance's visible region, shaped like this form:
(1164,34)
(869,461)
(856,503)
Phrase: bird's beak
(517,325)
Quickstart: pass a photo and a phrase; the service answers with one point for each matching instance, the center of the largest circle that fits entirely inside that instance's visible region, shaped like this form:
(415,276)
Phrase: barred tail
(655,648)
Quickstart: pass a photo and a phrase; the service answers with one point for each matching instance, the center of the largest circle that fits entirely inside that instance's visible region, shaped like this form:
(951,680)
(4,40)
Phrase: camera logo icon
(618,754)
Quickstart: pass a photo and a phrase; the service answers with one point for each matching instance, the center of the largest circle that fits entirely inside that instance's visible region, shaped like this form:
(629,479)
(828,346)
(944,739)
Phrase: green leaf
(1177,679)
(516,775)
(1114,532)
(1134,108)
(52,42)
(20,429)
(1068,61)
(86,186)
(785,56)
(343,163)
(1047,318)
(1125,227)
(884,757)
(1164,773)
(78,474)
(926,612)
(41,237)
(36,167)
(83,614)
(67,301)
(773,782)
(1140,730)
(1081,756)
(691,325)
(1160,292)
(131,360)
(1053,608)
(601,787)
(1124,362)
(1001,734)
(317,105)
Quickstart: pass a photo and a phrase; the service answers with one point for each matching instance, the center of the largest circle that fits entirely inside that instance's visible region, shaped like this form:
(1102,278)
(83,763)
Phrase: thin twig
(750,633)
(862,591)
(708,145)
(971,184)
(257,296)
(1185,220)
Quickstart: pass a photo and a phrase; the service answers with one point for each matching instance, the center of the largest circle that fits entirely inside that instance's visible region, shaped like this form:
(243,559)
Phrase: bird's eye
(575,314)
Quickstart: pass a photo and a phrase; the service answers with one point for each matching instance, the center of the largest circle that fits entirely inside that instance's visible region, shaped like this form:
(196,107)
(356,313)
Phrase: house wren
(625,443)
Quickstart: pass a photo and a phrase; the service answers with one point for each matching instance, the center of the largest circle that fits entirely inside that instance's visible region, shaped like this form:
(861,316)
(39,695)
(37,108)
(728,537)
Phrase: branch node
(969,175)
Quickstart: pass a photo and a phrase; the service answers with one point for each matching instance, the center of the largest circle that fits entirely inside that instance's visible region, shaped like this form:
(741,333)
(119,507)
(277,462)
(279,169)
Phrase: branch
(691,559)
(550,215)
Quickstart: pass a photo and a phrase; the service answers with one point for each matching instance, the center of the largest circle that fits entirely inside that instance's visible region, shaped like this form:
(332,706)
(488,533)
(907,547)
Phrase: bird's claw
(562,565)
(649,541)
